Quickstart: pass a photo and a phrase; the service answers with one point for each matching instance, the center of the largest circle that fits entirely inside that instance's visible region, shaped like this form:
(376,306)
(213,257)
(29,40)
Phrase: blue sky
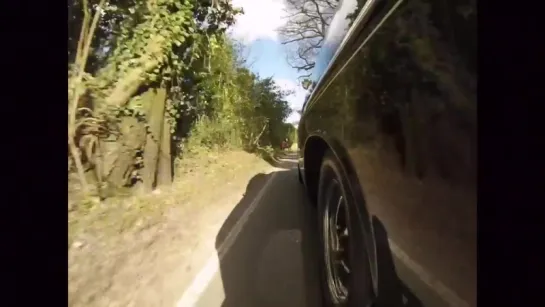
(256,29)
(268,58)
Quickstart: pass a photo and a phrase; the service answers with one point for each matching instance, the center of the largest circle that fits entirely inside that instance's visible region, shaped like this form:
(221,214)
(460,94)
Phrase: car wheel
(299,175)
(345,274)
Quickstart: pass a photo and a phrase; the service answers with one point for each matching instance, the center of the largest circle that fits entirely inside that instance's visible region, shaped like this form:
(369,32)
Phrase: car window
(343,33)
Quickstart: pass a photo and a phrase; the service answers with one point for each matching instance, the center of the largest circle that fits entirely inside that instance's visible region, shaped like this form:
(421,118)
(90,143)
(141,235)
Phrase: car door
(400,101)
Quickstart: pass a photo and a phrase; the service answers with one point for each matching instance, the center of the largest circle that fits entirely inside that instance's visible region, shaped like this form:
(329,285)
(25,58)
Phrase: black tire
(351,267)
(299,175)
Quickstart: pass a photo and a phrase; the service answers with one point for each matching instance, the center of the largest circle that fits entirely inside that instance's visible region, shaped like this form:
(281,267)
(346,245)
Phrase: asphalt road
(267,249)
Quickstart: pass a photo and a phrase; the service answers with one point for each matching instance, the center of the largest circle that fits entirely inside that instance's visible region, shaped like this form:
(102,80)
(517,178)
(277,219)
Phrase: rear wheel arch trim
(348,171)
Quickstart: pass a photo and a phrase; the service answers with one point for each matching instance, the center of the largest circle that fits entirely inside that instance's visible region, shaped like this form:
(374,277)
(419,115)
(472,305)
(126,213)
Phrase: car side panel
(402,103)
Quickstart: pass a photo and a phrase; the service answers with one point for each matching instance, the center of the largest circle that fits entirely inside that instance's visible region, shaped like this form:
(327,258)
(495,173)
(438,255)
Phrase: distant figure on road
(284,145)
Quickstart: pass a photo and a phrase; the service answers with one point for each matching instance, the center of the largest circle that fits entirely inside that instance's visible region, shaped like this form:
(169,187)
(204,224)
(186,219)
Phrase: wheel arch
(316,145)
(315,148)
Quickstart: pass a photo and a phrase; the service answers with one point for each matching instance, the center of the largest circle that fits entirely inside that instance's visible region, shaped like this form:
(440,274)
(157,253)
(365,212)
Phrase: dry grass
(121,250)
(195,174)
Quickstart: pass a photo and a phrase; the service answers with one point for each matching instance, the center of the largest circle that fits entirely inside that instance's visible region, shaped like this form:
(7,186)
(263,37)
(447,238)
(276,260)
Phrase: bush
(213,134)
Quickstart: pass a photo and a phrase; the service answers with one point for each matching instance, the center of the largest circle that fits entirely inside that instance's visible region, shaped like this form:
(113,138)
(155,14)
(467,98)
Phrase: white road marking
(198,285)
(443,291)
(204,277)
(235,231)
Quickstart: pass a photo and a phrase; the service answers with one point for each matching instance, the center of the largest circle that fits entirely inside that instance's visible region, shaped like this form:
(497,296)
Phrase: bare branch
(299,38)
(83,52)
(306,24)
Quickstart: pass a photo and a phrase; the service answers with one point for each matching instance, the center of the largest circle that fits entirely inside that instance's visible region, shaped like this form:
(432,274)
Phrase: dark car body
(394,98)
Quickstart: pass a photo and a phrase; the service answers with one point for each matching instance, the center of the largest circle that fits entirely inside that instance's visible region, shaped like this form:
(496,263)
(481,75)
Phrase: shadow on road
(272,260)
(283,159)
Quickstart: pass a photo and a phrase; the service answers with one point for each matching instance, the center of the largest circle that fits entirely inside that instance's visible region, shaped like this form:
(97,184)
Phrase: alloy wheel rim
(336,244)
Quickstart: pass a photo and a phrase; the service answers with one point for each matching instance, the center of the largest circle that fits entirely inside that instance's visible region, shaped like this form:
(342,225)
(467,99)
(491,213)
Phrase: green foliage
(213,134)
(181,46)
(248,110)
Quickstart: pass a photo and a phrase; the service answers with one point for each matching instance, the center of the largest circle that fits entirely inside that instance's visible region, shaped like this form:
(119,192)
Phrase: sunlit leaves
(183,47)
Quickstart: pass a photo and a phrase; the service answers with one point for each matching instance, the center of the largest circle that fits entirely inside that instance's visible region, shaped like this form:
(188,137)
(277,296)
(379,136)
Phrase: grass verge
(123,246)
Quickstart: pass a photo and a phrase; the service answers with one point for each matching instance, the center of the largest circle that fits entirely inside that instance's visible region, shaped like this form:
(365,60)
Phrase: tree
(146,76)
(125,50)
(305,30)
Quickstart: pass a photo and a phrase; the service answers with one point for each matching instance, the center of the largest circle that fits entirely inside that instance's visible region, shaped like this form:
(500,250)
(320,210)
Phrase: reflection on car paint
(404,108)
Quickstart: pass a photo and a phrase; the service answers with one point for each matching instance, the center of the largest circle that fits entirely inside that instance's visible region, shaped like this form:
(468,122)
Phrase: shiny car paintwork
(394,97)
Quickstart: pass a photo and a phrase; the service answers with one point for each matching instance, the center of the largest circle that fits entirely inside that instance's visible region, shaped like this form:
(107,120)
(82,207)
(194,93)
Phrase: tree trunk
(129,83)
(120,156)
(420,114)
(164,168)
(413,119)
(155,100)
(407,124)
(119,164)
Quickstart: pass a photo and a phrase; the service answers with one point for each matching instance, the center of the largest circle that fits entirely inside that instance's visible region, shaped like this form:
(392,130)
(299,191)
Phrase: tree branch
(307,23)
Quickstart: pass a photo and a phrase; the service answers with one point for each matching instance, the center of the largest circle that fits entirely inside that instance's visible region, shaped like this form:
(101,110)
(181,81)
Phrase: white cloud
(260,20)
(296,99)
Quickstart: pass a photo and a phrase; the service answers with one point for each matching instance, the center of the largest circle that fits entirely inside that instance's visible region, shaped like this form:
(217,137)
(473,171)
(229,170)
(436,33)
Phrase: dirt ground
(144,251)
